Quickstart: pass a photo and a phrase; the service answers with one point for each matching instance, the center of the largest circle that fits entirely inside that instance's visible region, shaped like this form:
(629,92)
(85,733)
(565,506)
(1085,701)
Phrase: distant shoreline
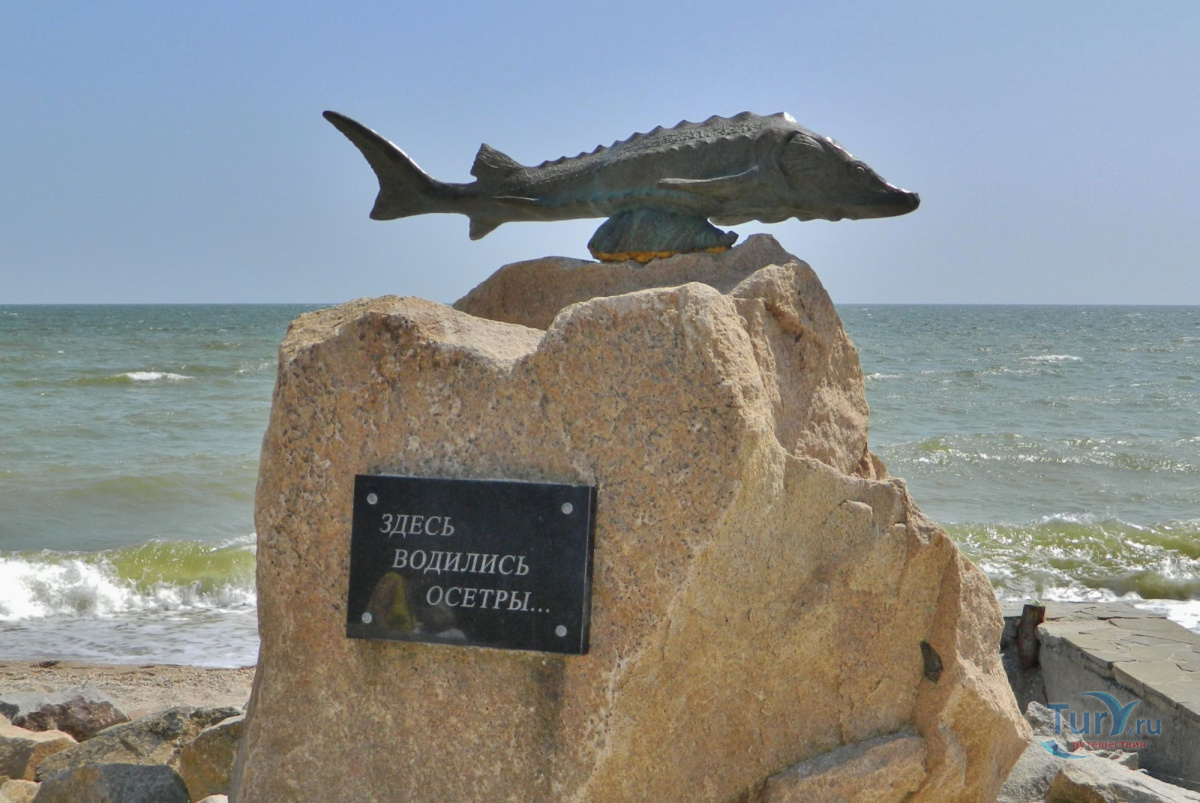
(137,690)
(314,305)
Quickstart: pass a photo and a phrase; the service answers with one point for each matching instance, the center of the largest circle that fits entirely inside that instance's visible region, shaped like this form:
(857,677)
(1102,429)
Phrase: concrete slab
(1134,655)
(1083,611)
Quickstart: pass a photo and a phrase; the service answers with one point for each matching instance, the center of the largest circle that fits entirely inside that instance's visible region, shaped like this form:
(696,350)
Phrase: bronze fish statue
(659,190)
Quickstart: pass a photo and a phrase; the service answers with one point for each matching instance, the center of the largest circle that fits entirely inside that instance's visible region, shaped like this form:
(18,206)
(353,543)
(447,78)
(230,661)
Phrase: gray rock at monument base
(1031,776)
(1040,775)
(82,711)
(18,791)
(885,769)
(22,751)
(156,739)
(1042,719)
(759,598)
(206,762)
(1099,781)
(114,783)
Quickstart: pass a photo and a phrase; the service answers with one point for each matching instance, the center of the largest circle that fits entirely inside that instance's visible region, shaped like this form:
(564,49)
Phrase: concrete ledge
(1133,655)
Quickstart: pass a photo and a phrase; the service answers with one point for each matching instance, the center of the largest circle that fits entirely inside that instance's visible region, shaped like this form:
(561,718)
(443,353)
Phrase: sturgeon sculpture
(658,190)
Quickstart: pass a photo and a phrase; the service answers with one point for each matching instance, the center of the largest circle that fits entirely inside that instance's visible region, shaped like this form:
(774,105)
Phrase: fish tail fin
(404,188)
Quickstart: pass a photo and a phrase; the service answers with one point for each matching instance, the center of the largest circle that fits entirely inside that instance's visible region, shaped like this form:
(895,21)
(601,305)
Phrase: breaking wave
(1052,359)
(1087,557)
(158,576)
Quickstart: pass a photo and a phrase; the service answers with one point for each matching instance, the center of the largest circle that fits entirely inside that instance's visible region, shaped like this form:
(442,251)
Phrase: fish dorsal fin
(744,118)
(493,167)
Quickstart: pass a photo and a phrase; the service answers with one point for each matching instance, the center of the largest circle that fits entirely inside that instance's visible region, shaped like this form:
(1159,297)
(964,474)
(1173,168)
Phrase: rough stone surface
(114,783)
(18,791)
(156,739)
(1031,777)
(760,592)
(206,762)
(1100,781)
(1033,772)
(533,292)
(880,770)
(82,711)
(21,750)
(817,389)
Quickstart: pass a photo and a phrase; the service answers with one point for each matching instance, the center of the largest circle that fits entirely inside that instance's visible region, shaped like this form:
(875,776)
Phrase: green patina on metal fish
(658,189)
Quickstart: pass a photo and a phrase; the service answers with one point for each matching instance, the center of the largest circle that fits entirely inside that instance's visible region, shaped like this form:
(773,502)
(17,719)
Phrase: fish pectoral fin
(483,224)
(486,220)
(720,187)
(645,233)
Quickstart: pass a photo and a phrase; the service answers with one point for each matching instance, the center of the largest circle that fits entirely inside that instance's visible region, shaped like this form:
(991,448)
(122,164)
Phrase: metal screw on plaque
(567,508)
(560,631)
(366,617)
(372,499)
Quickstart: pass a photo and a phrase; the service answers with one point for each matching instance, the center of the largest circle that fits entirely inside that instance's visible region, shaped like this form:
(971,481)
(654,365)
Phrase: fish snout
(898,202)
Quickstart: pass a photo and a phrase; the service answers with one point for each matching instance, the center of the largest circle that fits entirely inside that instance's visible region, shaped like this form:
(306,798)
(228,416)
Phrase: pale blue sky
(171,152)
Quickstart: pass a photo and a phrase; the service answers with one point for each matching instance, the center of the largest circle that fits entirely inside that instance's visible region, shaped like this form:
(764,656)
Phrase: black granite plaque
(480,563)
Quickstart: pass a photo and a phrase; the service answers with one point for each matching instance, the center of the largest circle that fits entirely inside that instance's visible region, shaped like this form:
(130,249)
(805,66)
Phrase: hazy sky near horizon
(176,152)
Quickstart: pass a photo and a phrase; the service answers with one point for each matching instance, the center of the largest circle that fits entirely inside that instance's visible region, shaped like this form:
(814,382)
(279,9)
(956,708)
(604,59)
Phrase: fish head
(825,181)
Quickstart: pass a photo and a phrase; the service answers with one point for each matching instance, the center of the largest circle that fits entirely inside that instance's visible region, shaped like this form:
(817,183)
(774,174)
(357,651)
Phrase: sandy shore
(136,690)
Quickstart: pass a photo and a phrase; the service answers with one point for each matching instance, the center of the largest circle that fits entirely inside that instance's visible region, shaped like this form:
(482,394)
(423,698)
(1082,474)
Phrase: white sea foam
(190,638)
(1183,612)
(80,606)
(1072,592)
(154,376)
(73,588)
(1052,359)
(257,368)
(31,590)
(1071,518)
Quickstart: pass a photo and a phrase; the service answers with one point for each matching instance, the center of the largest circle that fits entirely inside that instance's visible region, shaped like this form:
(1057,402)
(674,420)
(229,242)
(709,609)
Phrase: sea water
(1059,446)
(129,441)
